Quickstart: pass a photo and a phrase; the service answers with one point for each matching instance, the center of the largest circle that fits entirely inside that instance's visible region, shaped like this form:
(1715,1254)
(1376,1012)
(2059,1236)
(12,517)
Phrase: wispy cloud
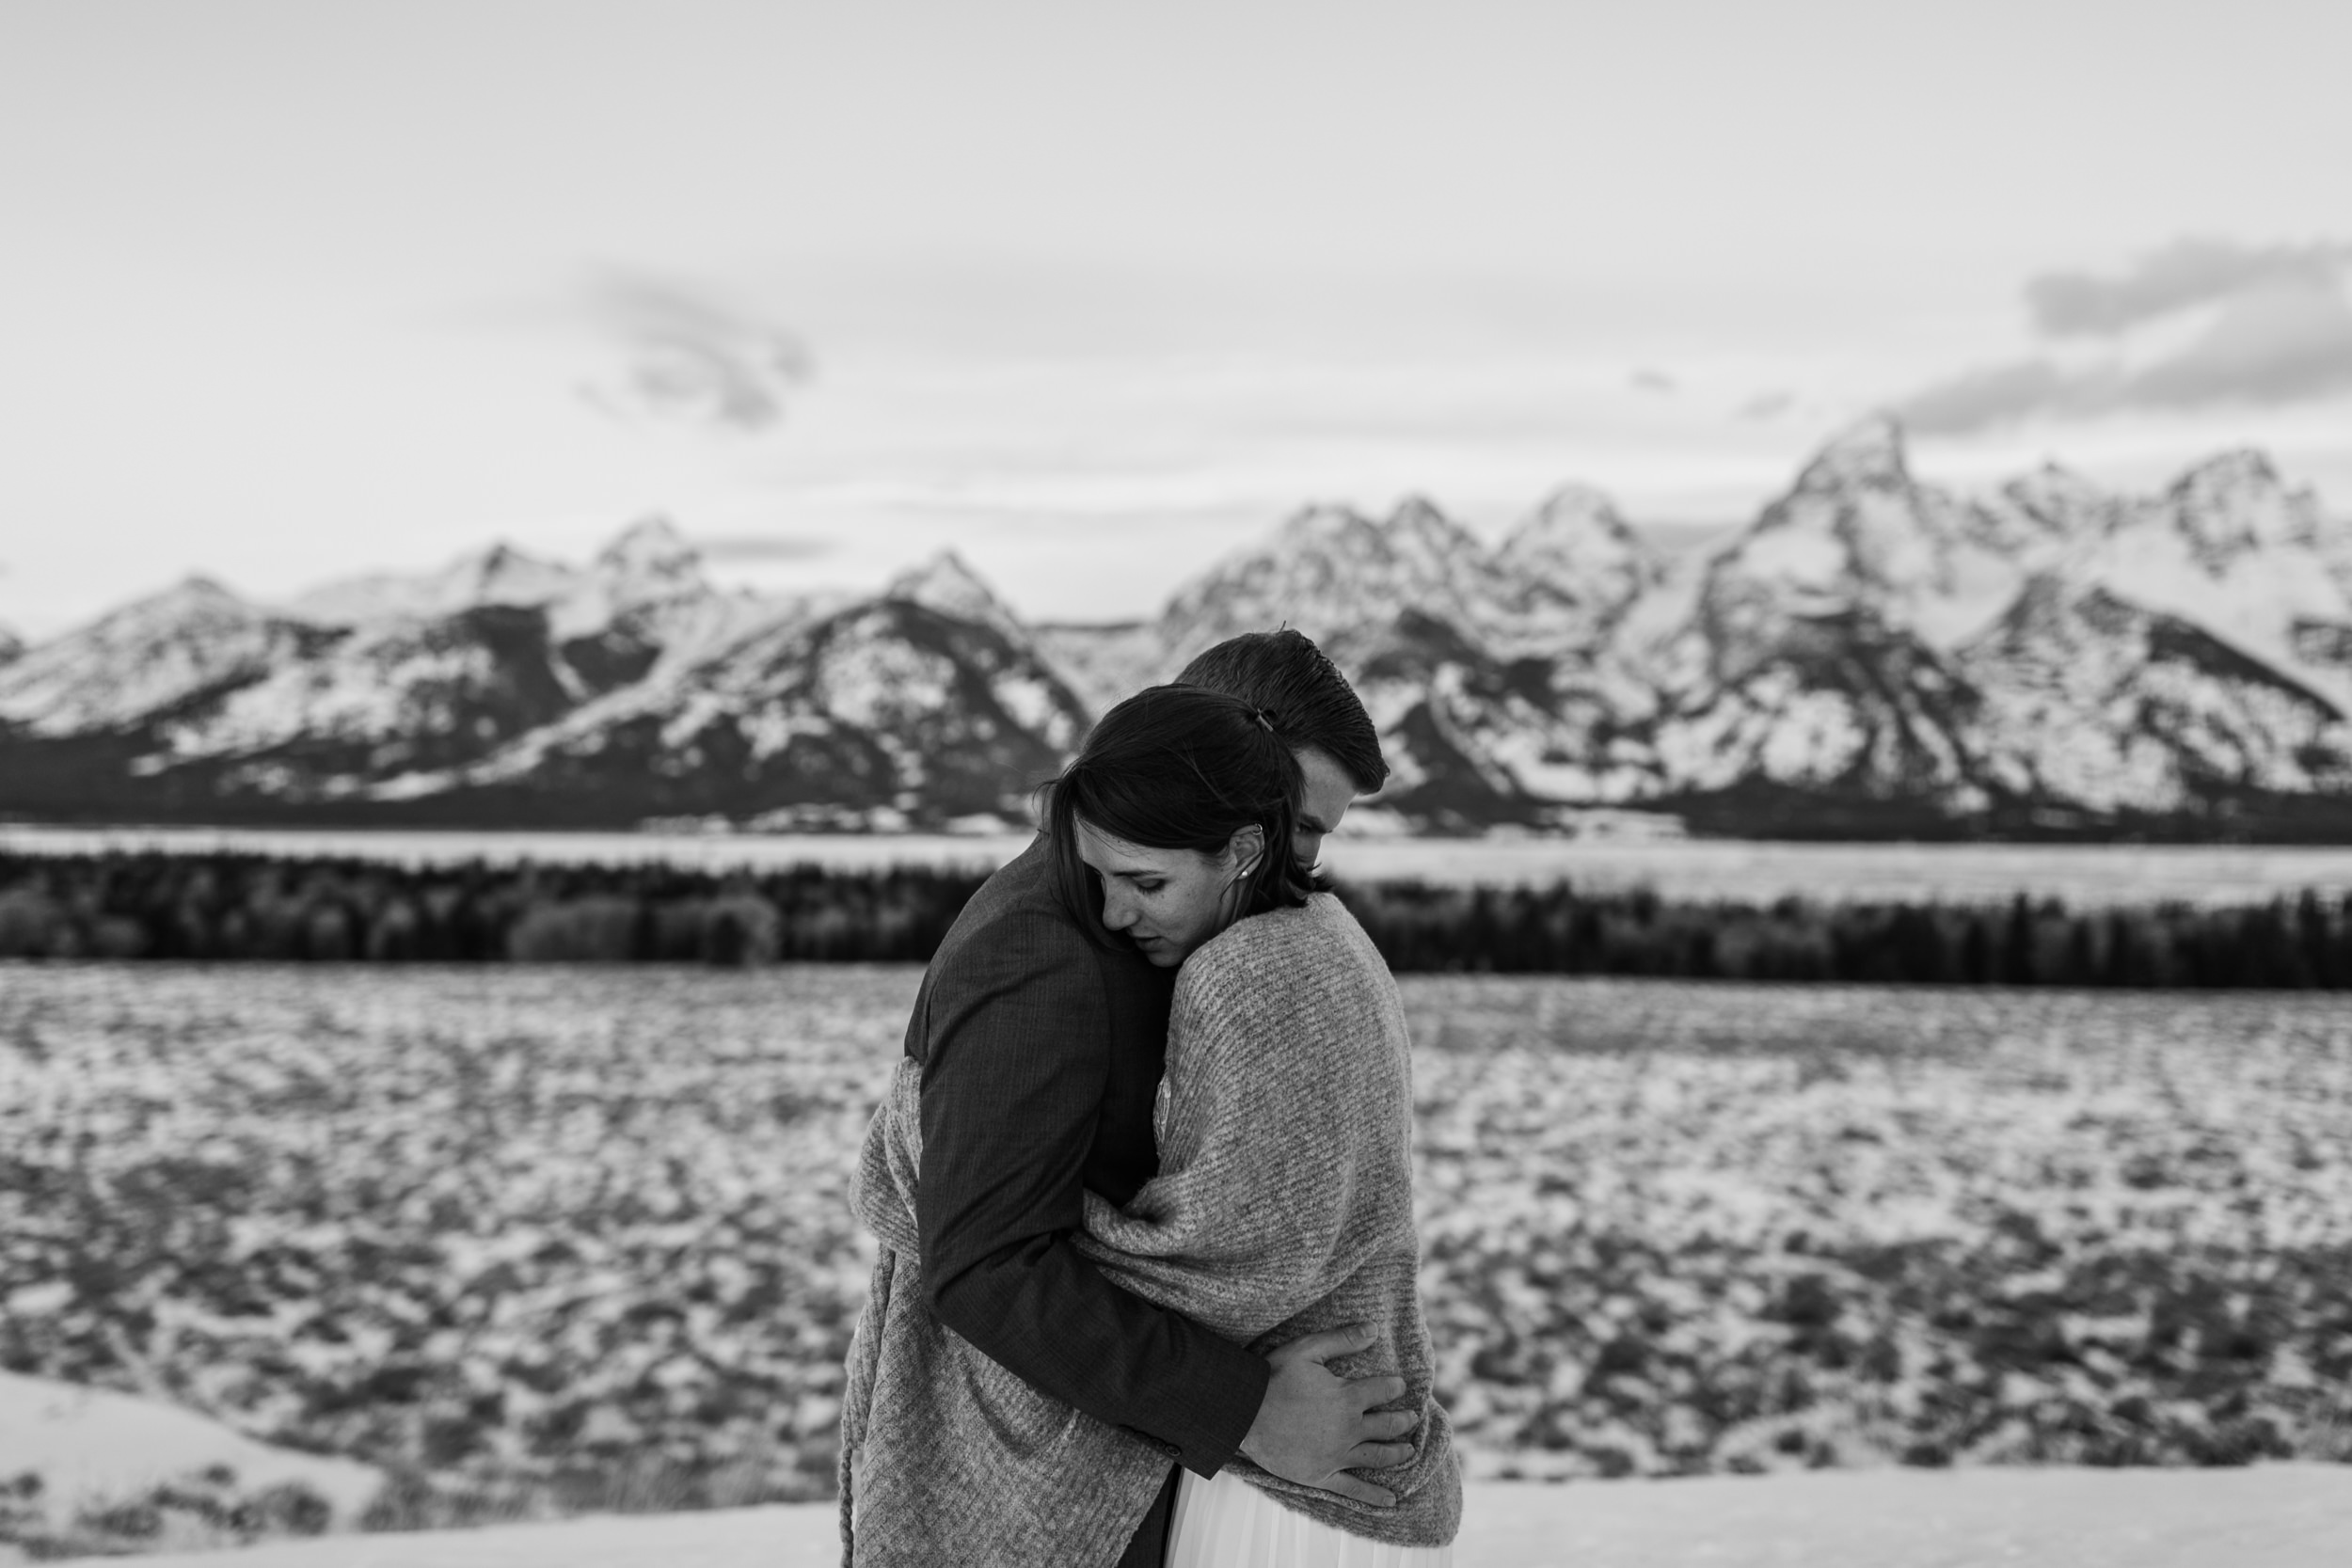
(1987,396)
(691,357)
(2276,328)
(749,548)
(2278,342)
(2186,273)
(1650,380)
(1767,406)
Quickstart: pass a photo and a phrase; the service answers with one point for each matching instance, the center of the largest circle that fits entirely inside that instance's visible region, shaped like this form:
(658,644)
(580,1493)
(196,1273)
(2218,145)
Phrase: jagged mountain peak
(1574,549)
(944,569)
(497,574)
(196,613)
(504,575)
(1417,514)
(1856,532)
(1866,454)
(1424,542)
(193,598)
(1856,502)
(2229,549)
(946,584)
(1416,525)
(2241,468)
(1331,571)
(2061,501)
(1578,506)
(650,546)
(1322,525)
(1574,522)
(2109,703)
(1419,519)
(2235,502)
(648,568)
(646,587)
(192,638)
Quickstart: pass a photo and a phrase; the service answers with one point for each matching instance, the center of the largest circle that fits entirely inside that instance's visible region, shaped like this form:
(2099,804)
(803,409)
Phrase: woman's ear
(1246,846)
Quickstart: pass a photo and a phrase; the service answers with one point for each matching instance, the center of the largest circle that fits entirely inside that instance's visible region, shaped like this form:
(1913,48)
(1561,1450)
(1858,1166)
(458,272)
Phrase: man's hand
(1313,1424)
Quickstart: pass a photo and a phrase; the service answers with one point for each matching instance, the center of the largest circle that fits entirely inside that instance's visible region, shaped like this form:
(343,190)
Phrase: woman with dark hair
(1160,826)
(1282,1210)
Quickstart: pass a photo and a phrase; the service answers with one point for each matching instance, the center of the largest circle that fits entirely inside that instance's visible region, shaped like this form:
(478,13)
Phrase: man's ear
(1246,846)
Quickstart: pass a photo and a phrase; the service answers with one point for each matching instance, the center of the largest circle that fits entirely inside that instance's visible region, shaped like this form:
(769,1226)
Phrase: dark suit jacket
(1041,1056)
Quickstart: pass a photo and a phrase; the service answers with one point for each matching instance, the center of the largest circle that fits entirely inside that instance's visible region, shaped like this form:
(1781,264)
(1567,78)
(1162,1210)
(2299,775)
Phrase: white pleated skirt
(1227,1523)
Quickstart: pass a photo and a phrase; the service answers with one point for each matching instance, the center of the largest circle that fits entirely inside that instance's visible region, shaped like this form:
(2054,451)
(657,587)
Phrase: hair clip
(1265,719)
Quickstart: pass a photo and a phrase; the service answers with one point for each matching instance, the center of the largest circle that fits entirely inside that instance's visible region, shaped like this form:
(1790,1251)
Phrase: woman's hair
(1179,767)
(1309,701)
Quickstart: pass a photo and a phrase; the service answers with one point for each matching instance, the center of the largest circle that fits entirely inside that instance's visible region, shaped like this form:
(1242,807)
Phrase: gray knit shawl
(1283,1207)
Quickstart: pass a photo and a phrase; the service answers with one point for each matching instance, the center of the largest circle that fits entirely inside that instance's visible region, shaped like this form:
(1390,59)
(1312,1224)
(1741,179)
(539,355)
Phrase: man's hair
(1311,702)
(1179,767)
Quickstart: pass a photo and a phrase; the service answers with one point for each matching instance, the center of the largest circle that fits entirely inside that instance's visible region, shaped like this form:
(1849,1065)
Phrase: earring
(1229,903)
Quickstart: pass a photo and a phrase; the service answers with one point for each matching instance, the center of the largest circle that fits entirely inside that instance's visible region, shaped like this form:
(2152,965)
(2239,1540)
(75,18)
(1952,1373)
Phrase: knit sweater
(1283,1207)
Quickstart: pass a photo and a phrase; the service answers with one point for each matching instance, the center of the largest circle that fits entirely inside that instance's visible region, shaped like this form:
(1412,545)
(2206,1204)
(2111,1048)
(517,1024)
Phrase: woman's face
(1169,901)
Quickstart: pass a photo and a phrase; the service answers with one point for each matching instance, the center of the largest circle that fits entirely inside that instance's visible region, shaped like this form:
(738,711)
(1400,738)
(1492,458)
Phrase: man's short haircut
(1308,700)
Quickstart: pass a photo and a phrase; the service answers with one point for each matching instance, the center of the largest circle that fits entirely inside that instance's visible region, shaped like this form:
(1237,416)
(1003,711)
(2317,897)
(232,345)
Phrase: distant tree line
(232,907)
(2288,943)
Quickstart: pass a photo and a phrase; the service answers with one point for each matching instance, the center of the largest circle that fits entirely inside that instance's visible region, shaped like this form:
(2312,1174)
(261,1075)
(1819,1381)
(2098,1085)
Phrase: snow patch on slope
(2231,549)
(192,639)
(95,1443)
(948,585)
(498,575)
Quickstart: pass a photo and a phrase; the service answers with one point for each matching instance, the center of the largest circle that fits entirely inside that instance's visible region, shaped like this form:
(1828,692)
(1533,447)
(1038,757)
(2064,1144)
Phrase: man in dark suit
(1042,1048)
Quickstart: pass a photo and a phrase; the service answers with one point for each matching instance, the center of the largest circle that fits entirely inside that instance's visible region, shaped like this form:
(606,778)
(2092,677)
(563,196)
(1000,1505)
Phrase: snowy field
(2272,1516)
(545,1242)
(2084,875)
(2285,1515)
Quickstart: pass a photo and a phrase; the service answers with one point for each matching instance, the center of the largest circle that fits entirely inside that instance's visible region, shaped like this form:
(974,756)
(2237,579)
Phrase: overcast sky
(1096,291)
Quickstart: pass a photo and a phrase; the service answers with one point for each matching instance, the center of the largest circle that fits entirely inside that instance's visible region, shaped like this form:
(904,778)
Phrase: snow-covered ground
(92,1439)
(2292,1516)
(2271,1516)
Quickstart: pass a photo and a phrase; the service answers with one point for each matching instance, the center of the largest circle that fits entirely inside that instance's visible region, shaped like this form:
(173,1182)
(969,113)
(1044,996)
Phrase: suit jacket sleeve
(1017,1041)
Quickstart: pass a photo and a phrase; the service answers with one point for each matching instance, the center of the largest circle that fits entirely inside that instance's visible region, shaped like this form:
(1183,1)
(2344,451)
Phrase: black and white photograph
(1282,785)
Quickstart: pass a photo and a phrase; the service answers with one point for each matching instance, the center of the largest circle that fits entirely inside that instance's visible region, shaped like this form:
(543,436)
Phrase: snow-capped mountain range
(1872,655)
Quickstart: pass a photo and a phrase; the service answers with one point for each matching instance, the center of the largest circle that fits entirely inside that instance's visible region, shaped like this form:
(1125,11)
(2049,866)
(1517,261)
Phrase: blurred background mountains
(1871,655)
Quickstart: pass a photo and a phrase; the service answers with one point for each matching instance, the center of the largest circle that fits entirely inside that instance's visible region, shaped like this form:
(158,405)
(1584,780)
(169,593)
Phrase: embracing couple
(1143,1179)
